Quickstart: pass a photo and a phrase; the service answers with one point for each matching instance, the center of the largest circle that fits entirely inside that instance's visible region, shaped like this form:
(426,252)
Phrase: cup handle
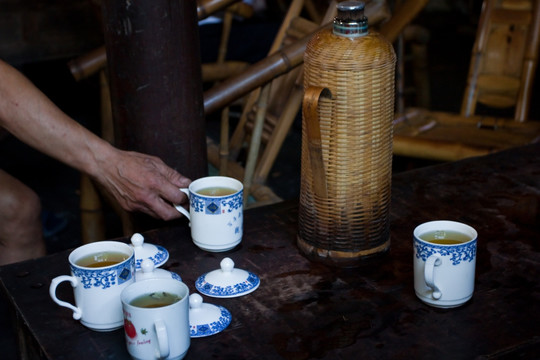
(429,275)
(77,312)
(162,339)
(180,208)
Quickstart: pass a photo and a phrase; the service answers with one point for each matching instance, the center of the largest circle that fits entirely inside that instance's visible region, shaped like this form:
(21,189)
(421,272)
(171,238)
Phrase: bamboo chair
(501,73)
(270,110)
(223,68)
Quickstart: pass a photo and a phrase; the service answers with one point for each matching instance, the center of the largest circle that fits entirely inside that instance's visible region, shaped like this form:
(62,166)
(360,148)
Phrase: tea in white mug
(102,259)
(216,205)
(156,319)
(99,272)
(216,191)
(445,237)
(444,262)
(155,300)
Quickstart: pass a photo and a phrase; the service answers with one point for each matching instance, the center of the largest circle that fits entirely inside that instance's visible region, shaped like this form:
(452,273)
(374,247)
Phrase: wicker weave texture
(356,139)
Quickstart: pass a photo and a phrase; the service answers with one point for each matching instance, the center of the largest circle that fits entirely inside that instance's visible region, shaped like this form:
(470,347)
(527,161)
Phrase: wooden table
(307,310)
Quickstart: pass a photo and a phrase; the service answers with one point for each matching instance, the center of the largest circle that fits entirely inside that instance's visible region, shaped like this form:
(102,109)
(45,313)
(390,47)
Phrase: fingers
(146,184)
(173,195)
(174,177)
(170,189)
(157,208)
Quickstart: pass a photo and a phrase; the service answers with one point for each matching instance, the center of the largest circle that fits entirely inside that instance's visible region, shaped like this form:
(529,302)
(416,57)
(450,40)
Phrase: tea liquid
(155,300)
(442,237)
(102,259)
(216,191)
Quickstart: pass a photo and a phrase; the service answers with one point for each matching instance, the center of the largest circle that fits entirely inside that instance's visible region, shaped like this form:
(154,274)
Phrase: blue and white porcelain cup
(97,285)
(216,219)
(444,263)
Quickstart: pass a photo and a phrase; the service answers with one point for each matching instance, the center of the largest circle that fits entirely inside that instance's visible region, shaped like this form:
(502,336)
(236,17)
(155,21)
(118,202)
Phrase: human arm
(137,181)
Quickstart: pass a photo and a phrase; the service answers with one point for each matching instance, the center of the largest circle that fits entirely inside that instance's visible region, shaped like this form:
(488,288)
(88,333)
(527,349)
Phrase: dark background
(451,24)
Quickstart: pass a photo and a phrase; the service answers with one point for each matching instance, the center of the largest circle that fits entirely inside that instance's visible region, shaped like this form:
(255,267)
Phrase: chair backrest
(504,57)
(269,111)
(283,96)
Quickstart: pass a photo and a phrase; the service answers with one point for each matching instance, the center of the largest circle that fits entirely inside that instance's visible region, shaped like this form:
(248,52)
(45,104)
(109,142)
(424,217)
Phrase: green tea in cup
(155,300)
(445,237)
(216,191)
(102,259)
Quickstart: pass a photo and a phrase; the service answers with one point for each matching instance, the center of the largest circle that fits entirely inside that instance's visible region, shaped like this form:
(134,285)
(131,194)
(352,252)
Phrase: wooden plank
(304,309)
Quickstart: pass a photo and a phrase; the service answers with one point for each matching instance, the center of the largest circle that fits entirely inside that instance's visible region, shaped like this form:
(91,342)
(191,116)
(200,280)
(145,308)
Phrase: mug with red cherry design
(156,319)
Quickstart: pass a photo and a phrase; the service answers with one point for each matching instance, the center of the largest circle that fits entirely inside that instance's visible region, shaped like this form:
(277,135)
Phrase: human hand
(143,183)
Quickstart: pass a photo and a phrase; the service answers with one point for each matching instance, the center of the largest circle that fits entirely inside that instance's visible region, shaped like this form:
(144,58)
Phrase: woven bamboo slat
(349,222)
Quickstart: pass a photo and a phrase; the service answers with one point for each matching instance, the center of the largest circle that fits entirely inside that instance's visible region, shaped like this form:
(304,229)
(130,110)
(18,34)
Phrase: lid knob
(195,301)
(227,265)
(147,266)
(137,240)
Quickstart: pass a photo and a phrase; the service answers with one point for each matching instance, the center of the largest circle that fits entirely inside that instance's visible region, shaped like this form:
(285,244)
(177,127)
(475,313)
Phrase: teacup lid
(149,271)
(206,319)
(227,282)
(158,254)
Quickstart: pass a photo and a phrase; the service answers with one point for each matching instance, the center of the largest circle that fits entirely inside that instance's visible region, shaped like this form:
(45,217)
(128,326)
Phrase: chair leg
(92,219)
(280,132)
(256,139)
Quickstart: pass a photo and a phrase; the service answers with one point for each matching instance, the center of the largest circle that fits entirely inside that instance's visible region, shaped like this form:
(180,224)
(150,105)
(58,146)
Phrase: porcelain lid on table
(158,254)
(227,282)
(149,271)
(206,319)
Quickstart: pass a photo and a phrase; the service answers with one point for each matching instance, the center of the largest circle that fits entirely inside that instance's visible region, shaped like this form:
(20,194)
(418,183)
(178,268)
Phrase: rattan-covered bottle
(346,170)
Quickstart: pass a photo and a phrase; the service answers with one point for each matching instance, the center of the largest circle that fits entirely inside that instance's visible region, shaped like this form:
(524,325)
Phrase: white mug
(97,289)
(444,263)
(157,332)
(216,220)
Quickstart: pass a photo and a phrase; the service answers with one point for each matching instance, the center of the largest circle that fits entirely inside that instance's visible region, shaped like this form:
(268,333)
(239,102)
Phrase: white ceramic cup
(97,290)
(216,221)
(160,332)
(444,273)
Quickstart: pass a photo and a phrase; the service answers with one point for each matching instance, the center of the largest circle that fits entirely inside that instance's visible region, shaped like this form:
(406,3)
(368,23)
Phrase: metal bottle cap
(350,20)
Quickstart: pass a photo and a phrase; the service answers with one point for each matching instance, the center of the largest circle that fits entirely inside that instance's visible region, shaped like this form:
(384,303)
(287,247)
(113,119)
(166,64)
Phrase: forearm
(139,182)
(30,116)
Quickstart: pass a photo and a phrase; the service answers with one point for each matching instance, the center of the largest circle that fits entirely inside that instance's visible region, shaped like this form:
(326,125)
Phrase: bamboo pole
(255,144)
(238,135)
(256,75)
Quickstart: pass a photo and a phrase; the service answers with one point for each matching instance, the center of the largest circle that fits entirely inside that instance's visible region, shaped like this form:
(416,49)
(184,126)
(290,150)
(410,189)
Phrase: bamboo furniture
(501,74)
(270,116)
(266,107)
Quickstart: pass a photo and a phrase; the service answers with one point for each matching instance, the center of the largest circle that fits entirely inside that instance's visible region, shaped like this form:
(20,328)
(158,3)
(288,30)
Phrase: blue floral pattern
(245,287)
(216,206)
(107,277)
(175,276)
(212,328)
(160,257)
(457,253)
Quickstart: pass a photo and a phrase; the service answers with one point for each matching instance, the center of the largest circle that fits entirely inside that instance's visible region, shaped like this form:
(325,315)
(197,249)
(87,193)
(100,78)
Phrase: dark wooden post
(155,79)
